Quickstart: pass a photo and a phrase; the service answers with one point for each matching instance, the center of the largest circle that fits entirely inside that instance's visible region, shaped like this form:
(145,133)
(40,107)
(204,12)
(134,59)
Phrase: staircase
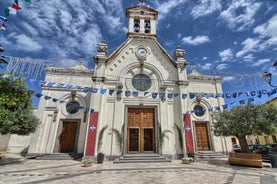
(141,158)
(209,155)
(59,156)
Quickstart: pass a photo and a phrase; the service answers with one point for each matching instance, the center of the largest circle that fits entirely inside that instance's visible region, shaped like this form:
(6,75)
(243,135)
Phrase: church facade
(138,99)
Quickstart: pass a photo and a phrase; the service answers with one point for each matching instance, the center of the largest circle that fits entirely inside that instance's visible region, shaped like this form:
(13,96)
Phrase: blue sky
(236,39)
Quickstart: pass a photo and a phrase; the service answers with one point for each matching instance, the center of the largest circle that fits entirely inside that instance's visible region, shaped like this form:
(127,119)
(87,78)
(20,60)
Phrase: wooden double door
(68,137)
(202,136)
(141,130)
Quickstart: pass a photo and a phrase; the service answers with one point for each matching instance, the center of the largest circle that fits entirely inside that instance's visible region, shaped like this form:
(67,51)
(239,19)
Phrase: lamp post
(268,76)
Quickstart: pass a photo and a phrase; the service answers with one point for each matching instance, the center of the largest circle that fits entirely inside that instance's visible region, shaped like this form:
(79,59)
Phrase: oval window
(72,107)
(199,110)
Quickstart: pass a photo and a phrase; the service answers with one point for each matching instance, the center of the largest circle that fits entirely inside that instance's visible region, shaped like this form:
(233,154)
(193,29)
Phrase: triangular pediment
(125,60)
(142,10)
(156,47)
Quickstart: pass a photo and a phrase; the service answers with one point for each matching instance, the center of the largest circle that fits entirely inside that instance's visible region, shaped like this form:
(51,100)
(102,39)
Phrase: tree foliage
(245,120)
(16,116)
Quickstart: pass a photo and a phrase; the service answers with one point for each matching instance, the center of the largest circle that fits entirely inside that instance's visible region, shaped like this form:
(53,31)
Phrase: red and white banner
(188,133)
(92,131)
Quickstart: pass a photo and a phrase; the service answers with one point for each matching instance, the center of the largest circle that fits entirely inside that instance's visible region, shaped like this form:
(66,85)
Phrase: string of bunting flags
(8,11)
(154,95)
(135,93)
(158,95)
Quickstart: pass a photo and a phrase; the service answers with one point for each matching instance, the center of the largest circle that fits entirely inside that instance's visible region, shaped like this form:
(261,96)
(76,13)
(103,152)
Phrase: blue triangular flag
(103,91)
(118,92)
(60,85)
(191,95)
(38,95)
(135,93)
(111,92)
(68,86)
(47,97)
(86,89)
(154,95)
(127,93)
(176,95)
(50,84)
(55,99)
(94,90)
(162,96)
(184,96)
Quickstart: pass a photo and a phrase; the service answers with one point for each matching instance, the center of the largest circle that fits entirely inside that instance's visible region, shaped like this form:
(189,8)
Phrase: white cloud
(198,40)
(26,43)
(166,7)
(261,62)
(267,33)
(250,45)
(268,29)
(240,14)
(205,7)
(226,54)
(248,58)
(206,66)
(65,29)
(228,78)
(221,66)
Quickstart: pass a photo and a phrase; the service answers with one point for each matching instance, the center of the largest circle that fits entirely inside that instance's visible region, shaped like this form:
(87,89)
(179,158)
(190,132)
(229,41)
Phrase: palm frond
(180,137)
(119,137)
(162,135)
(100,138)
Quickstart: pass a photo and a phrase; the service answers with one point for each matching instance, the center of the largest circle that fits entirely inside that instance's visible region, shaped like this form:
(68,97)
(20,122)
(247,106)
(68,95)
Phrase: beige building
(264,139)
(137,92)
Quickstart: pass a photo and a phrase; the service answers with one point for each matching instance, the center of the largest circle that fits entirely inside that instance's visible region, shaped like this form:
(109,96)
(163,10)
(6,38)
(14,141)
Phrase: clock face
(142,52)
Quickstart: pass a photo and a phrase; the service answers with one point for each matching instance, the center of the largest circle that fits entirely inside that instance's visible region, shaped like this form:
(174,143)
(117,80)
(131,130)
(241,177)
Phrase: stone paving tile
(71,172)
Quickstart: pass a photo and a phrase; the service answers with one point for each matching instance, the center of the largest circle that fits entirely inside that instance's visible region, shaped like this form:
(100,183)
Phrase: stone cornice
(74,70)
(194,75)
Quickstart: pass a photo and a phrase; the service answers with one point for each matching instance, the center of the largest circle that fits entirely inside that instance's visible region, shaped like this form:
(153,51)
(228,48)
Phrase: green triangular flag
(27,0)
(7,12)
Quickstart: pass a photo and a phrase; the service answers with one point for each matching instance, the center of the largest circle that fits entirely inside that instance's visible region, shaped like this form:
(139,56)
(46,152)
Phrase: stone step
(59,156)
(209,155)
(141,158)
(140,161)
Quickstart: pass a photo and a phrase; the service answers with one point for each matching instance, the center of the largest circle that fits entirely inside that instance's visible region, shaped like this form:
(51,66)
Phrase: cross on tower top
(142,1)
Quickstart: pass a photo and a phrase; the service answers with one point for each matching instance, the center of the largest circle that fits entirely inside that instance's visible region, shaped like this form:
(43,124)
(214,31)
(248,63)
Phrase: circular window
(199,110)
(141,82)
(72,107)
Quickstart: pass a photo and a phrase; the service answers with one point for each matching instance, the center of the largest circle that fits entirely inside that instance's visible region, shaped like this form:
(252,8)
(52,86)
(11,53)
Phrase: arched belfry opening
(142,20)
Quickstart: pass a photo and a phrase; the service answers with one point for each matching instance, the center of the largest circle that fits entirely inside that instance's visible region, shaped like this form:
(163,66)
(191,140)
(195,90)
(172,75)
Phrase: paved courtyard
(19,170)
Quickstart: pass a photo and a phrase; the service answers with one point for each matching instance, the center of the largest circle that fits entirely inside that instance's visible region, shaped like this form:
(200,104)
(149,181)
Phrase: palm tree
(119,137)
(162,135)
(100,138)
(180,137)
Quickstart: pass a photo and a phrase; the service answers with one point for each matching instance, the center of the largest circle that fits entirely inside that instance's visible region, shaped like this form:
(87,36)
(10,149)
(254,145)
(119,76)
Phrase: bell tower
(141,20)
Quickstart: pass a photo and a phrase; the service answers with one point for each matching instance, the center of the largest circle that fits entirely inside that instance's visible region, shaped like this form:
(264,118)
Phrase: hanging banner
(188,133)
(91,137)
